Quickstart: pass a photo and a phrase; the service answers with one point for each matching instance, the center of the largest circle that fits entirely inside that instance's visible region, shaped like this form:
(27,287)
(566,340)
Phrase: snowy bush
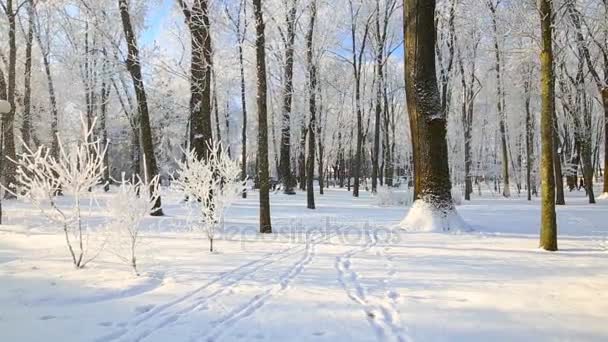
(77,168)
(387,196)
(212,183)
(135,200)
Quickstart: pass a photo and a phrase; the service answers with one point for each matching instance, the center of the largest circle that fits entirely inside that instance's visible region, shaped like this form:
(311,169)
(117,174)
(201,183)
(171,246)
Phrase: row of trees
(325,80)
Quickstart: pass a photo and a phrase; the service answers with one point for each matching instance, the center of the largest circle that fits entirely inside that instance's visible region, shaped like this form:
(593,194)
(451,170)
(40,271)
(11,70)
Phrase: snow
(342,272)
(423,217)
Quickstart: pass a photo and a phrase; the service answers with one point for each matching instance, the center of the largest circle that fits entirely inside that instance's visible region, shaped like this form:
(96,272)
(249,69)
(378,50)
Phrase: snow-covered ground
(339,273)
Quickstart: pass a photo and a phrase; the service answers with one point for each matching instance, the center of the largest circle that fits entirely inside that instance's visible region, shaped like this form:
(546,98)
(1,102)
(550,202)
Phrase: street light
(5,108)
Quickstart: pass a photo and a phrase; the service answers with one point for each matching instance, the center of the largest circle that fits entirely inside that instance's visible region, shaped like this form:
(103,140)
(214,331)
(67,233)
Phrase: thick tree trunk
(427,120)
(8,119)
(285,163)
(134,68)
(548,235)
(197,19)
(263,172)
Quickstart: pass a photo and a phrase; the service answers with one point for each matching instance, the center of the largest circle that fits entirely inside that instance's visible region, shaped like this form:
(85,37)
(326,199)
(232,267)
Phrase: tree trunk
(134,68)
(285,173)
(560,199)
(263,172)
(427,120)
(105,97)
(605,101)
(26,128)
(197,19)
(2,97)
(312,107)
(501,113)
(548,235)
(529,139)
(8,120)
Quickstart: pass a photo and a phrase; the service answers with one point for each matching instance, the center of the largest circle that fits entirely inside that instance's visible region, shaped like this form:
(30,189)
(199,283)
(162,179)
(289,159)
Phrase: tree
(240,27)
(211,183)
(432,184)
(8,119)
(128,208)
(285,148)
(312,106)
(493,6)
(79,168)
(197,19)
(134,68)
(263,172)
(358,53)
(548,234)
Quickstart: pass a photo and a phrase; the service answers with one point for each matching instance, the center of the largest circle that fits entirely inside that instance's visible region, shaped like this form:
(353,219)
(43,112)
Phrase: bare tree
(548,236)
(134,68)
(263,172)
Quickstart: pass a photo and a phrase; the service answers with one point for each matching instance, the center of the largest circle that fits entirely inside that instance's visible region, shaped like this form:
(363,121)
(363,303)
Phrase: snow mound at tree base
(424,217)
(603,196)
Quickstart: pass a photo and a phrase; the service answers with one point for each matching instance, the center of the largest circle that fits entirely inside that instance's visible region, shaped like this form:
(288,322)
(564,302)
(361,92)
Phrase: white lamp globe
(5,107)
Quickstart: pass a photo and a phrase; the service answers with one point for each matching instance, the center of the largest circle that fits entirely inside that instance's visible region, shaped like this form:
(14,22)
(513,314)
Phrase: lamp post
(5,108)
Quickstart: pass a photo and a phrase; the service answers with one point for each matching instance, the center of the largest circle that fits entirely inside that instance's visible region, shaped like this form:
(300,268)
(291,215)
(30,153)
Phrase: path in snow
(382,312)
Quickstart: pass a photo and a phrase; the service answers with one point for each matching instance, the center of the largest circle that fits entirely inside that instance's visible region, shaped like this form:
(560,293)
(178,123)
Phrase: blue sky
(157,15)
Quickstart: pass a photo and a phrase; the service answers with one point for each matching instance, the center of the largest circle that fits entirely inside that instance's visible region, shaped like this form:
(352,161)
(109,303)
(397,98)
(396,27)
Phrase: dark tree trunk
(285,149)
(244,129)
(134,68)
(263,172)
(105,97)
(312,107)
(548,235)
(8,119)
(560,199)
(499,104)
(427,120)
(197,19)
(26,128)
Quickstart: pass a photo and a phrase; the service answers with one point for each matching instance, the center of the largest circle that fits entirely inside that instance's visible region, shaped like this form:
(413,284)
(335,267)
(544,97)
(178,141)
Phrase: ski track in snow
(381,313)
(221,325)
(143,325)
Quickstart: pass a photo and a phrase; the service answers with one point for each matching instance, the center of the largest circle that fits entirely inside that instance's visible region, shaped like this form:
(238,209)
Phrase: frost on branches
(78,168)
(212,184)
(135,199)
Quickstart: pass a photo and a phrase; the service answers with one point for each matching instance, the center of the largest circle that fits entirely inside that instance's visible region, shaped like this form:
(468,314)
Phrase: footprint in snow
(106,324)
(47,317)
(319,333)
(143,309)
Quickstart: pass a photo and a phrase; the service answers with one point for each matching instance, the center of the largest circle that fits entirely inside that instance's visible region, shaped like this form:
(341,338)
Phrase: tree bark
(197,19)
(548,235)
(285,162)
(263,172)
(427,120)
(134,68)
(26,128)
(312,107)
(8,120)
